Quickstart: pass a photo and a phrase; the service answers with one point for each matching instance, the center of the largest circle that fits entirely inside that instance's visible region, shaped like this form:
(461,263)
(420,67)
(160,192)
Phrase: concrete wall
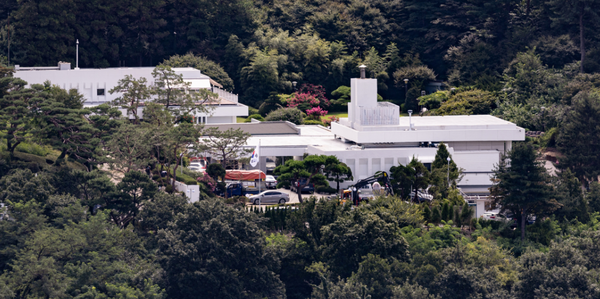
(192,192)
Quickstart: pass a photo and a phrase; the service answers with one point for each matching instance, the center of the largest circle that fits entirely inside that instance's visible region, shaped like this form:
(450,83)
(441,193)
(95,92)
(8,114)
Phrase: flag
(254,159)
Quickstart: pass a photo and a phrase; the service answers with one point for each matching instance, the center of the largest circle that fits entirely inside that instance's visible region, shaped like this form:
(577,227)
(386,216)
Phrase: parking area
(294,196)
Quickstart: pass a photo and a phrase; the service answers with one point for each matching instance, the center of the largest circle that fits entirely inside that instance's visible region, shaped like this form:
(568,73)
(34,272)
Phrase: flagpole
(259,171)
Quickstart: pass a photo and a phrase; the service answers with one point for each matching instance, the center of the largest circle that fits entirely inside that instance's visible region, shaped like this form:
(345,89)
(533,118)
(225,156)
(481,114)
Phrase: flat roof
(261,128)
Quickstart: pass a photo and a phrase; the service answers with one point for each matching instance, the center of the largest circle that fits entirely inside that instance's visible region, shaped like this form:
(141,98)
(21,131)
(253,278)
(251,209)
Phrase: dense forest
(265,45)
(79,217)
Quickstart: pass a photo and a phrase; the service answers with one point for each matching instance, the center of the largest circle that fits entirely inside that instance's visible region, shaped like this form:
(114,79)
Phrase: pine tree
(435,215)
(446,214)
(521,186)
(427,214)
(466,214)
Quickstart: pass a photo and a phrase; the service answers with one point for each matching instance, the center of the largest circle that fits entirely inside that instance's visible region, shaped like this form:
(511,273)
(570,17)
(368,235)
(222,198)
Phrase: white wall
(192,192)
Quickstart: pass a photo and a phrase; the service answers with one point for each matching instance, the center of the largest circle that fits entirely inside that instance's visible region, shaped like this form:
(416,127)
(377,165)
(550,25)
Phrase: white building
(94,85)
(374,138)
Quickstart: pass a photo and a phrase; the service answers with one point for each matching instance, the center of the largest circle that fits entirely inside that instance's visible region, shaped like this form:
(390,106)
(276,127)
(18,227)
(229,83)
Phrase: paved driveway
(294,196)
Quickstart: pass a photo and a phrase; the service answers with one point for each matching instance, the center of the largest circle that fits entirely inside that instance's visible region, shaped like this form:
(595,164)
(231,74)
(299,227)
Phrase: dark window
(100,91)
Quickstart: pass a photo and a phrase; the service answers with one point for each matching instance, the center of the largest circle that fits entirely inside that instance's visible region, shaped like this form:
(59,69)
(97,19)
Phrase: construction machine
(380,177)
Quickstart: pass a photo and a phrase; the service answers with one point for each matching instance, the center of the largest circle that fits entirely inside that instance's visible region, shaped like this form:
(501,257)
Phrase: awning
(244,175)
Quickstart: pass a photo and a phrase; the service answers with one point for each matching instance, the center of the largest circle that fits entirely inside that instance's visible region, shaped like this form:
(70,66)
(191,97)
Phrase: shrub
(169,189)
(186,179)
(315,113)
(286,114)
(312,122)
(252,110)
(328,120)
(326,189)
(34,149)
(255,116)
(208,182)
(236,199)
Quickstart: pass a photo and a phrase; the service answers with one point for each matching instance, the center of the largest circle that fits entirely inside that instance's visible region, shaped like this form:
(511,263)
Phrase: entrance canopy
(245,175)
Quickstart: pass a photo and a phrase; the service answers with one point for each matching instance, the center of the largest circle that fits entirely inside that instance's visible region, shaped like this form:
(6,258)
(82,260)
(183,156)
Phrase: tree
(569,194)
(354,235)
(579,137)
(132,193)
(178,141)
(16,111)
(225,146)
(337,171)
(440,173)
(300,173)
(520,185)
(172,91)
(571,11)
(134,93)
(420,177)
(218,251)
(61,121)
(206,66)
(130,147)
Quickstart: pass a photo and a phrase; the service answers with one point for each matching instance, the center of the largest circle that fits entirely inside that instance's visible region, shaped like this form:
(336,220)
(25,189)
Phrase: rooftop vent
(362,68)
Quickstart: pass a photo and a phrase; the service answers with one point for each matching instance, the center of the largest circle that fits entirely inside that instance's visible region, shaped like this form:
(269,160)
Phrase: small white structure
(94,85)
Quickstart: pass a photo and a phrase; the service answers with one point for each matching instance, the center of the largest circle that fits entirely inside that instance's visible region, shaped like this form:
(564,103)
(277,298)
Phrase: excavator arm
(381,176)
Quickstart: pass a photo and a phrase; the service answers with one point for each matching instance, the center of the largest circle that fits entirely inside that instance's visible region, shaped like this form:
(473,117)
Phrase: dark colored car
(310,188)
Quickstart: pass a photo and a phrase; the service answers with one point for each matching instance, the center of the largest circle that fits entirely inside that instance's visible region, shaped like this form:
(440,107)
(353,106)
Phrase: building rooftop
(262,128)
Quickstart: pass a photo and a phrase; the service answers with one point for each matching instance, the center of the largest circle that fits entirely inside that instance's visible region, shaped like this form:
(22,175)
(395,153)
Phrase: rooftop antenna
(362,68)
(77,55)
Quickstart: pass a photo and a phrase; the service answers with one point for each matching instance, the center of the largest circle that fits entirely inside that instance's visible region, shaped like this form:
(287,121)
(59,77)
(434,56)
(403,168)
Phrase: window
(100,91)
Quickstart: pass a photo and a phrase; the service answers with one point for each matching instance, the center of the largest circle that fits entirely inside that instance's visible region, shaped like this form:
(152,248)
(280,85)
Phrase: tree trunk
(299,192)
(581,39)
(62,155)
(523,217)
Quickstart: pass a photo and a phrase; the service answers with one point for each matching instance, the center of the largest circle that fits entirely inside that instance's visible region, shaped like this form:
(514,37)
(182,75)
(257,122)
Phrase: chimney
(362,68)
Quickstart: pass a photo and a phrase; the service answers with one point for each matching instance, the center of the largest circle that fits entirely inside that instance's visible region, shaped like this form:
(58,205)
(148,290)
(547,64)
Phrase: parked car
(198,164)
(310,188)
(270,197)
(271,182)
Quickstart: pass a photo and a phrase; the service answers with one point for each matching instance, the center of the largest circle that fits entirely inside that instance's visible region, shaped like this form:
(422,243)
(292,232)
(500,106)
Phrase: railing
(226,95)
(384,114)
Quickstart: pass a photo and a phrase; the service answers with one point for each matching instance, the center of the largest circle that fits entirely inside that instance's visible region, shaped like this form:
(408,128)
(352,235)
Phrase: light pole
(543,124)
(405,93)
(448,159)
(294,85)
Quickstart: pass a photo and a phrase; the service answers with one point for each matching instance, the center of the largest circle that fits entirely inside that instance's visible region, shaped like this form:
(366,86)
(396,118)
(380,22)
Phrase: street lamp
(543,124)
(448,159)
(294,85)
(405,93)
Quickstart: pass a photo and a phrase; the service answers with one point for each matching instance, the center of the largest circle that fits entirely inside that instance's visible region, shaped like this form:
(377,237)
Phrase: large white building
(94,85)
(374,138)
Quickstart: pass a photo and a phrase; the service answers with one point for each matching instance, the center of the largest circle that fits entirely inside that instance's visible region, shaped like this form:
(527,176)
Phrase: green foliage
(434,100)
(206,66)
(197,247)
(577,137)
(254,116)
(312,122)
(522,186)
(292,115)
(467,102)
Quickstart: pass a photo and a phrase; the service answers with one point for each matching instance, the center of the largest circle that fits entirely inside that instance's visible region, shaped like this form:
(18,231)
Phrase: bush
(186,179)
(326,189)
(255,116)
(169,189)
(34,149)
(236,199)
(252,110)
(312,122)
(286,114)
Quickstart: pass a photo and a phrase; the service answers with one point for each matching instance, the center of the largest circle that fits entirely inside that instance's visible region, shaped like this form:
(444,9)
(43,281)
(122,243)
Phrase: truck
(242,182)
